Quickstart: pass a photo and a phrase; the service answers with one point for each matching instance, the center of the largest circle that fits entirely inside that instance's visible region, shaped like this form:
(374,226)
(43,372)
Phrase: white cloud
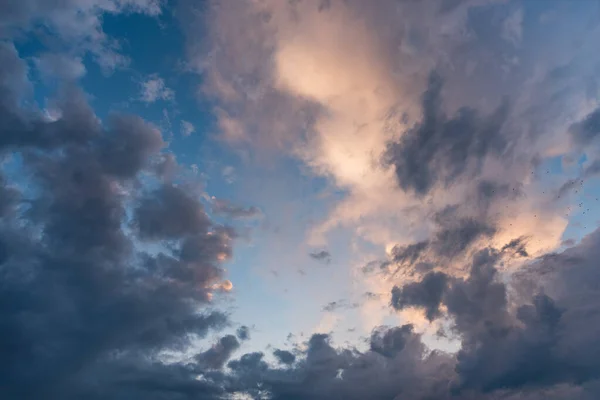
(187,128)
(228,173)
(154,89)
(512,28)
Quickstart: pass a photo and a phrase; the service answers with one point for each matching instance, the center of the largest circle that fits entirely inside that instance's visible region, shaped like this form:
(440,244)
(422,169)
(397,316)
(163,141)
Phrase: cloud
(169,212)
(338,305)
(227,209)
(404,119)
(526,343)
(187,128)
(322,255)
(88,311)
(243,333)
(219,353)
(74,24)
(60,66)
(442,150)
(154,89)
(427,294)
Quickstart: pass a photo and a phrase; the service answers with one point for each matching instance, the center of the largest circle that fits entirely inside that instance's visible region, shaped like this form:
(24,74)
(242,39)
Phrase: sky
(299,199)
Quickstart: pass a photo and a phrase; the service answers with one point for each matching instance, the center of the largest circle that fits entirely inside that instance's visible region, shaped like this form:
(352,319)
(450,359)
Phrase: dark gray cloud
(85,313)
(219,353)
(586,131)
(591,171)
(517,246)
(426,294)
(339,305)
(249,362)
(322,255)
(243,333)
(442,149)
(390,341)
(455,236)
(409,254)
(169,212)
(540,344)
(394,366)
(284,356)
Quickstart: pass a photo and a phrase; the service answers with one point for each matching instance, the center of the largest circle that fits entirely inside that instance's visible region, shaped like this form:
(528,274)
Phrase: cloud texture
(436,120)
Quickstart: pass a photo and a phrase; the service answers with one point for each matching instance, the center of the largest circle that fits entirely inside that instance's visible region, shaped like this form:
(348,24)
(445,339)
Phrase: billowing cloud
(88,311)
(432,122)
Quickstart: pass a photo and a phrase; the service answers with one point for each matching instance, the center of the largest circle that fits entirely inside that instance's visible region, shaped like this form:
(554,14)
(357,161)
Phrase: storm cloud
(86,311)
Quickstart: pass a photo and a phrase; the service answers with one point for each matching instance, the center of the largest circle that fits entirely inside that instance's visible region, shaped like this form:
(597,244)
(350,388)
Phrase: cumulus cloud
(219,353)
(284,356)
(87,310)
(339,305)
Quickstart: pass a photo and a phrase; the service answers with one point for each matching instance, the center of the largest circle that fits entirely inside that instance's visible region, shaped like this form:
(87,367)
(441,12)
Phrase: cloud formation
(513,346)
(87,311)
(431,120)
(436,121)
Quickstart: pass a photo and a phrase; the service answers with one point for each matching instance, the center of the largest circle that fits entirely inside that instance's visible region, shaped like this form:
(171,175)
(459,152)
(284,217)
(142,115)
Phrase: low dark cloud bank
(539,345)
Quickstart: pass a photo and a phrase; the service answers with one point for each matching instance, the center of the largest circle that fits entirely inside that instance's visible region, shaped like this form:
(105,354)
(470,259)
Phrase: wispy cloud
(187,128)
(154,89)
